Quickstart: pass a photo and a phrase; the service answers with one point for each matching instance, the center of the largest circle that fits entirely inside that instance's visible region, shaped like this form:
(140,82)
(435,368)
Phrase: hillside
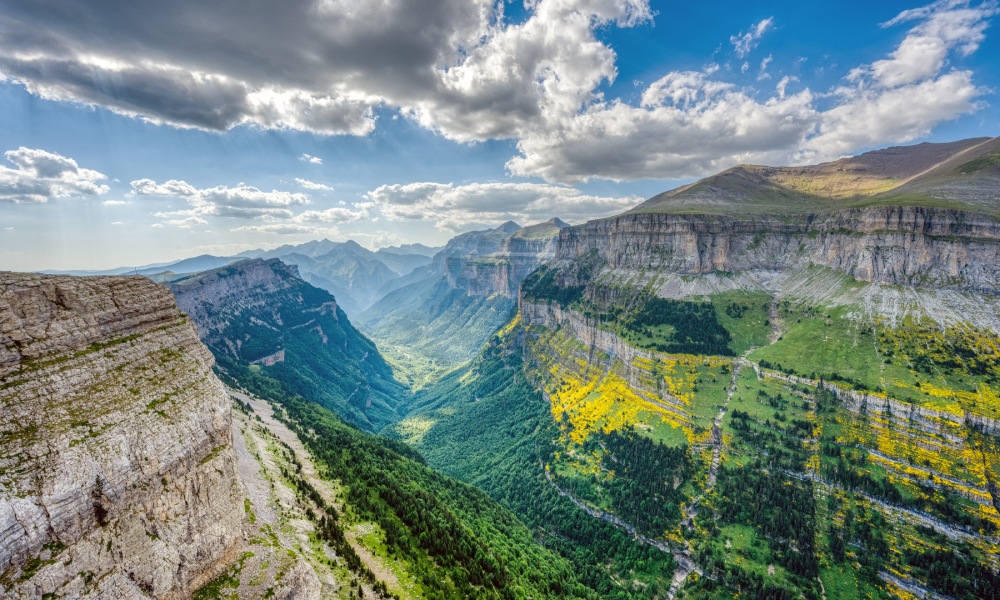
(118,474)
(124,473)
(262,321)
(784,380)
(960,175)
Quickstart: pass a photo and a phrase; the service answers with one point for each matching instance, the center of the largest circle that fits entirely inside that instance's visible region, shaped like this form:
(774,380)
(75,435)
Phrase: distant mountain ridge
(263,322)
(194,264)
(447,310)
(962,175)
(355,275)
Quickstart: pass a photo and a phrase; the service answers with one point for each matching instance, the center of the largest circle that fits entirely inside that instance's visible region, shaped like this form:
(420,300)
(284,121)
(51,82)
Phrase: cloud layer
(38,176)
(690,124)
(457,208)
(446,206)
(463,70)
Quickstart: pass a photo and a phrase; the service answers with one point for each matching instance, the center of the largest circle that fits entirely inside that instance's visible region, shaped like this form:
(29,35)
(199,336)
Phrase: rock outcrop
(902,245)
(502,271)
(117,474)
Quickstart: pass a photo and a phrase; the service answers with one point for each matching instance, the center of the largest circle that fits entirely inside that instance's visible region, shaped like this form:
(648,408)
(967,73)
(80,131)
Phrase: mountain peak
(509,228)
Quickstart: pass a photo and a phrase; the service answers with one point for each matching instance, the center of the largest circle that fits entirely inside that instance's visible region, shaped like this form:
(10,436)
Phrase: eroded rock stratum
(117,474)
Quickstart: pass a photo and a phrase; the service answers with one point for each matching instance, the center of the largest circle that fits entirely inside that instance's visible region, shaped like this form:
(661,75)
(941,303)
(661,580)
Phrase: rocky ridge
(260,313)
(517,255)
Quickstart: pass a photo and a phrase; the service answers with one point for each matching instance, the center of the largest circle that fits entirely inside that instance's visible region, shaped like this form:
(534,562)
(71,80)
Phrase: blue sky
(138,134)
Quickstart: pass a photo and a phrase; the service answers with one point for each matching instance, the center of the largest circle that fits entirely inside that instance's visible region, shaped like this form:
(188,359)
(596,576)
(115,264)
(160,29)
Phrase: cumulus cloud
(902,97)
(527,75)
(337,214)
(317,222)
(462,69)
(38,176)
(315,65)
(455,66)
(690,124)
(457,208)
(240,201)
(687,125)
(312,185)
(744,43)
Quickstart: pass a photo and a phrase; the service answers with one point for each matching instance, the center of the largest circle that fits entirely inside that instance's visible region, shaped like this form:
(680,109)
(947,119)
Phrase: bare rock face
(117,474)
(902,245)
(516,256)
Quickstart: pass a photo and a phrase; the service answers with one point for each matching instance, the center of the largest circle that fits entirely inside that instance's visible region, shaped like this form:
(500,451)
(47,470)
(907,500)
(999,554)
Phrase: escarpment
(516,256)
(903,245)
(117,474)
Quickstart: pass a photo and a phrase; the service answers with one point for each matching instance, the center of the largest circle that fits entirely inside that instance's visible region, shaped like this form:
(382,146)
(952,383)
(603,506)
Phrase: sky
(141,132)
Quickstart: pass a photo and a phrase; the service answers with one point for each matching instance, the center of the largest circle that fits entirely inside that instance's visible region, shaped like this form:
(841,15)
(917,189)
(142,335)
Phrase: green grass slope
(452,539)
(961,175)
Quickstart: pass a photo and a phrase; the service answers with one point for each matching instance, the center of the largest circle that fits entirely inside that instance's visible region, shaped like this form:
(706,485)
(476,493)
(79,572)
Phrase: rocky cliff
(117,474)
(448,310)
(260,313)
(517,255)
(909,245)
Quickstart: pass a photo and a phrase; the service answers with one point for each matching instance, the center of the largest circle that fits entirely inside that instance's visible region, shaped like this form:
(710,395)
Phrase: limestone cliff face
(515,257)
(896,245)
(117,474)
(210,298)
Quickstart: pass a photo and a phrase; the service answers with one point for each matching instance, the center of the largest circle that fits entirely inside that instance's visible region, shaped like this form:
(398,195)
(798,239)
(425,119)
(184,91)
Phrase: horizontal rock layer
(896,245)
(117,475)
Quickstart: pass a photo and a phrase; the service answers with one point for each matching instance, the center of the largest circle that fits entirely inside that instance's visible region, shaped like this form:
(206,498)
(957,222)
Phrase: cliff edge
(117,473)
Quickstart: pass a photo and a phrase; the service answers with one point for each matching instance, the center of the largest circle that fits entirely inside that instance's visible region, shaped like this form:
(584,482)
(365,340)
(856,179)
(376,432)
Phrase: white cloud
(116,203)
(762,74)
(312,185)
(38,176)
(240,201)
(526,75)
(337,214)
(945,26)
(317,222)
(309,158)
(289,229)
(690,124)
(744,43)
(456,208)
(687,125)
